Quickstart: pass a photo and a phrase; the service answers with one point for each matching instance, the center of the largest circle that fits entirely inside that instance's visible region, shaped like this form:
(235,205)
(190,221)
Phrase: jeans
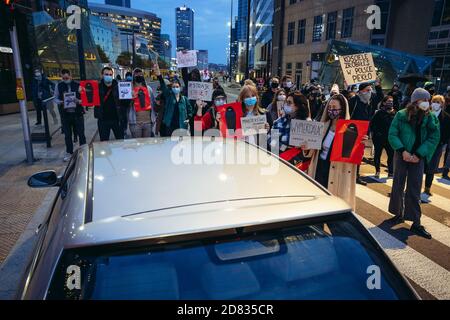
(71,121)
(140,130)
(38,105)
(406,204)
(105,127)
(379,146)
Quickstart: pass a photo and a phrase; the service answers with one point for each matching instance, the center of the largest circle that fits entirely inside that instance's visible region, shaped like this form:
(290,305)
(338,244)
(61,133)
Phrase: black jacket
(380,124)
(444,121)
(44,86)
(64,88)
(361,111)
(267,98)
(103,89)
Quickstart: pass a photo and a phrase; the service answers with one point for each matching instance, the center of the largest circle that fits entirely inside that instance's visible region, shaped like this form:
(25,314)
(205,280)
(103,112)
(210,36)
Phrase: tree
(103,57)
(124,59)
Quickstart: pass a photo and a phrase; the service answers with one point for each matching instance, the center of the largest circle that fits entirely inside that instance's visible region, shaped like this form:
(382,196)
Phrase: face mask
(250,102)
(139,79)
(288,84)
(129,78)
(288,110)
(333,114)
(37,75)
(108,79)
(436,106)
(67,81)
(388,105)
(365,96)
(274,85)
(219,102)
(176,90)
(281,97)
(424,105)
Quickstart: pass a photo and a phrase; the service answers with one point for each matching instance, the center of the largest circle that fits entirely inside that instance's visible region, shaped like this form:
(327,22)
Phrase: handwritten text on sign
(200,90)
(358,68)
(187,59)
(253,125)
(307,133)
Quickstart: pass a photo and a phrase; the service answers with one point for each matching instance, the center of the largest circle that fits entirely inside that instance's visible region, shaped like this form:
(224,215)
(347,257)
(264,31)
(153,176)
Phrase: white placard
(358,68)
(186,59)
(309,133)
(125,90)
(70,100)
(200,90)
(253,125)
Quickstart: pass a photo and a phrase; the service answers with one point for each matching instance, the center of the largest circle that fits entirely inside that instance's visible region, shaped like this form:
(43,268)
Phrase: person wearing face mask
(315,101)
(208,116)
(267,97)
(397,96)
(338,177)
(139,121)
(72,118)
(124,107)
(286,84)
(379,128)
(296,107)
(430,87)
(414,135)
(41,89)
(108,114)
(275,108)
(363,106)
(177,109)
(437,105)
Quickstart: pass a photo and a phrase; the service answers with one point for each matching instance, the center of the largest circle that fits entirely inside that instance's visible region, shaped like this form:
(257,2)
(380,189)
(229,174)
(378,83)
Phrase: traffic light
(7,14)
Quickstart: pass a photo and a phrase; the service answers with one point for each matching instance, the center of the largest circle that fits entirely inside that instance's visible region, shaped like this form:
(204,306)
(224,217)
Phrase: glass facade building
(262,35)
(184,28)
(120,3)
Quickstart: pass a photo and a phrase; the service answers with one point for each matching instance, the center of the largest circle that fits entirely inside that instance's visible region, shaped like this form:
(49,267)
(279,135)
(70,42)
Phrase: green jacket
(402,135)
(184,106)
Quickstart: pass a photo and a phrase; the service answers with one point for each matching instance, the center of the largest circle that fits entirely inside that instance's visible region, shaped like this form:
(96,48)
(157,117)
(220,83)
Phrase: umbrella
(412,78)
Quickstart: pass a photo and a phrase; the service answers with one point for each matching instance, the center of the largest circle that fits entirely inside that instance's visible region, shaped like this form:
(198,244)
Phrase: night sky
(210,22)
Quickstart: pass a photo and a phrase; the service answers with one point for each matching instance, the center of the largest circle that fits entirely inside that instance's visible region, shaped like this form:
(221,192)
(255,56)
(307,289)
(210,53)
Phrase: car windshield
(322,260)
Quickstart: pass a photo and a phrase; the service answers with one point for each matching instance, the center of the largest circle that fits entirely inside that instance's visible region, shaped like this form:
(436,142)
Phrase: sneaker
(377,175)
(428,192)
(361,182)
(67,157)
(396,220)
(445,176)
(420,231)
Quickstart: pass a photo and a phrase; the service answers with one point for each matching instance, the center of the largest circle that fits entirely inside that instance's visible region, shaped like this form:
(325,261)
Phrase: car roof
(153,187)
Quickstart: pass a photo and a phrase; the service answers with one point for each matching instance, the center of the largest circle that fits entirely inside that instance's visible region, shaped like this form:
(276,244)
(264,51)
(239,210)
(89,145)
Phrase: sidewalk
(18,202)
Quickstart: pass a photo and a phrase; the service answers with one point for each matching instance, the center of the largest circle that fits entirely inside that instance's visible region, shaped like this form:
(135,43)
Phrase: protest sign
(186,59)
(347,144)
(70,100)
(125,90)
(141,99)
(358,68)
(253,125)
(308,133)
(200,91)
(89,94)
(230,120)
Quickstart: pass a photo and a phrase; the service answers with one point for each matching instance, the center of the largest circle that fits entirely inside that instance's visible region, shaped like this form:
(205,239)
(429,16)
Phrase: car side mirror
(44,179)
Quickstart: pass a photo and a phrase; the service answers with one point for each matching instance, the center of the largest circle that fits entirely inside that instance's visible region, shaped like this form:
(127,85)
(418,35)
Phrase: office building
(262,38)
(166,48)
(202,59)
(184,28)
(120,3)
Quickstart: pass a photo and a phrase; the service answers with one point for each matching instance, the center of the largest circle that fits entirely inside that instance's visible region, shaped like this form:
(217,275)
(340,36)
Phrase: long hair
(344,105)
(275,96)
(302,104)
(414,114)
(248,91)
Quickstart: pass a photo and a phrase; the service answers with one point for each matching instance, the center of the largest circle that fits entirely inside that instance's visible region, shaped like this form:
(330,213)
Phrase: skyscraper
(120,3)
(184,28)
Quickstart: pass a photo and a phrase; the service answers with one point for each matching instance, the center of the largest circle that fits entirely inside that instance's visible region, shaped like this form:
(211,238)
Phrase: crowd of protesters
(412,128)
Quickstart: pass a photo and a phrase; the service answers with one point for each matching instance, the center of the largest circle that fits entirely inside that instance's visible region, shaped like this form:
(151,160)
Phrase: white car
(134,220)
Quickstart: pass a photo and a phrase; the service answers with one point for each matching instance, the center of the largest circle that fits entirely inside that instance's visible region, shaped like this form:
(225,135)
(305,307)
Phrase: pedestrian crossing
(426,263)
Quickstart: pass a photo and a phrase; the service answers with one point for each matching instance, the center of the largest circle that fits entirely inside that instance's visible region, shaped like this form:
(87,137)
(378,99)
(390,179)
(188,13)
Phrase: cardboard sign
(230,120)
(70,100)
(347,144)
(89,95)
(141,99)
(253,125)
(125,90)
(200,91)
(188,59)
(308,133)
(358,68)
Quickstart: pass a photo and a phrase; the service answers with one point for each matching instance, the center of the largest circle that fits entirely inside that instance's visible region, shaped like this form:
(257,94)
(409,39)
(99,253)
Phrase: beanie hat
(428,85)
(364,85)
(420,94)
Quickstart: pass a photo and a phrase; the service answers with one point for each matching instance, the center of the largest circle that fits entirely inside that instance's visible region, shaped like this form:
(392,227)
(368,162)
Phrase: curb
(15,265)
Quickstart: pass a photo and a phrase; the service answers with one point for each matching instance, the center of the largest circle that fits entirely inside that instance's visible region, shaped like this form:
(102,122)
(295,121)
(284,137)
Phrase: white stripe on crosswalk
(443,183)
(439,231)
(423,271)
(436,200)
